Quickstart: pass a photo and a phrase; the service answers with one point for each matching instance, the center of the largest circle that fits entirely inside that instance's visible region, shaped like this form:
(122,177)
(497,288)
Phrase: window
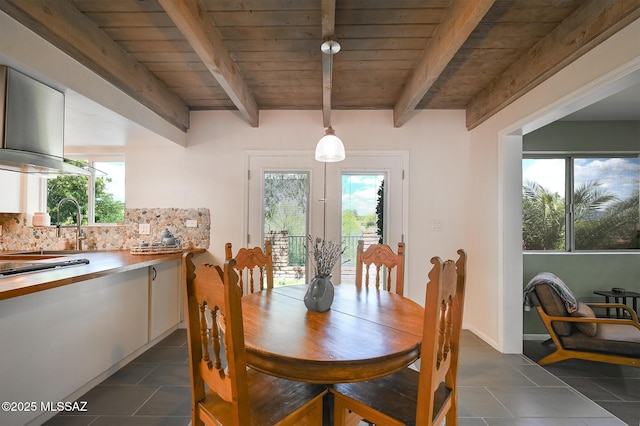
(101,198)
(579,202)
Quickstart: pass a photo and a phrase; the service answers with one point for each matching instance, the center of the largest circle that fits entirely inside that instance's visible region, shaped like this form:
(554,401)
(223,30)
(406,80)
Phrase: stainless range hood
(32,132)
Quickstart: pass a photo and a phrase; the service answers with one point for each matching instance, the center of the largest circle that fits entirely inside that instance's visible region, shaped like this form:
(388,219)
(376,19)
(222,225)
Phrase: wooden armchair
(223,390)
(429,396)
(581,334)
(253,262)
(380,255)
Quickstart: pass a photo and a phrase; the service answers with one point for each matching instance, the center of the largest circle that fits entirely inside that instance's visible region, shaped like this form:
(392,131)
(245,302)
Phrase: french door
(291,197)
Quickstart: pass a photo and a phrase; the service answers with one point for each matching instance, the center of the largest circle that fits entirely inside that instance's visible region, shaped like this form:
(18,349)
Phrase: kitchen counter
(101,263)
(91,321)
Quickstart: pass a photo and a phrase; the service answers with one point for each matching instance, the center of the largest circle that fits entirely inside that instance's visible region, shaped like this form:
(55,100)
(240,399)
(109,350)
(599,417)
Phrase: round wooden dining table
(366,334)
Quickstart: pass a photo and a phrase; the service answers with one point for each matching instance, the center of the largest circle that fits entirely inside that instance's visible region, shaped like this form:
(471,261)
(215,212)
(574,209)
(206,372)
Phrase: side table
(619,297)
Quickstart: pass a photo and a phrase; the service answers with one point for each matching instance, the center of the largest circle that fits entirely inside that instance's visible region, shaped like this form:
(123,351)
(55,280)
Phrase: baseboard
(482,336)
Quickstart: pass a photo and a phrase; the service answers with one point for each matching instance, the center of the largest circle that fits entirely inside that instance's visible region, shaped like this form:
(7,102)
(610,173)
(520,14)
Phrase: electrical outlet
(437,225)
(191,223)
(144,229)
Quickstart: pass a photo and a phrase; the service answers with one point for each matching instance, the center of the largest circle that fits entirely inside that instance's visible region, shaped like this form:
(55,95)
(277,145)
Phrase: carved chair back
(214,311)
(224,391)
(251,263)
(441,341)
(428,396)
(381,259)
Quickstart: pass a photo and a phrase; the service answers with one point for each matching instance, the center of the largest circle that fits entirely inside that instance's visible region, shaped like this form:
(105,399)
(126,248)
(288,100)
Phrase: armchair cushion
(553,306)
(584,311)
(554,296)
(610,338)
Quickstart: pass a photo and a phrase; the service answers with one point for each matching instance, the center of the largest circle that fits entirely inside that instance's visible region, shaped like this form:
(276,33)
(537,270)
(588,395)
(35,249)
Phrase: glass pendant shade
(330,148)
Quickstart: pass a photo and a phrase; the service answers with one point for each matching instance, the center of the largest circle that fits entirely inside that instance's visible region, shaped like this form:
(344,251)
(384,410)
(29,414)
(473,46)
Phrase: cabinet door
(10,200)
(164,294)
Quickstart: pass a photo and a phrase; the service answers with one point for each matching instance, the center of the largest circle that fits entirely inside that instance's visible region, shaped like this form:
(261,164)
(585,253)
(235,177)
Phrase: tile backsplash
(17,235)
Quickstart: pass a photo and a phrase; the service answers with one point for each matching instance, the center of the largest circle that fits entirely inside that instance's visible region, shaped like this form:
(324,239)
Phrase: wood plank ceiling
(250,55)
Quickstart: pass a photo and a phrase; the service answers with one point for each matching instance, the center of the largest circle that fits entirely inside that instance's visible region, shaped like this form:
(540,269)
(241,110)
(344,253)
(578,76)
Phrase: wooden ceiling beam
(64,26)
(588,26)
(194,23)
(456,26)
(328,29)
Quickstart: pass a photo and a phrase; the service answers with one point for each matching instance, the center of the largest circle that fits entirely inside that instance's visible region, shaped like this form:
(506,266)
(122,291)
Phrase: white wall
(495,279)
(211,172)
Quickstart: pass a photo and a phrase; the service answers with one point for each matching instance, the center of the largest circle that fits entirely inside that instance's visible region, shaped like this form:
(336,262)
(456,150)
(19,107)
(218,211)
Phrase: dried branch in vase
(324,255)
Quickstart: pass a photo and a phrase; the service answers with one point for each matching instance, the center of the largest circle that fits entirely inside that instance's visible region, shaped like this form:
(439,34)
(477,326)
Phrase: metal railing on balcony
(297,250)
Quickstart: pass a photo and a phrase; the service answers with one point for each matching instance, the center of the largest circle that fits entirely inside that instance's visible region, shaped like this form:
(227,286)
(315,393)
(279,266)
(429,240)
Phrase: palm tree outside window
(581,203)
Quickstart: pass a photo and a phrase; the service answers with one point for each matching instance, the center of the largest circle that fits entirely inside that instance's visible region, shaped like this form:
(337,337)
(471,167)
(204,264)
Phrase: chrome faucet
(79,232)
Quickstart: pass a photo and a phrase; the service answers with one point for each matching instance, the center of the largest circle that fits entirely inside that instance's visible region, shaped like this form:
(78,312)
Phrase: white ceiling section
(622,106)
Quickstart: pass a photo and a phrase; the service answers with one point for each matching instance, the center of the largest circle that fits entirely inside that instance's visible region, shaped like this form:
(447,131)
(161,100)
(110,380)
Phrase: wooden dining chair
(429,396)
(380,255)
(223,390)
(253,262)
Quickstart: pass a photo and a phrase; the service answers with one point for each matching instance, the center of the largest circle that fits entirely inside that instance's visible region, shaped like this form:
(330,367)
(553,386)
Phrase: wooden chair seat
(394,397)
(430,396)
(272,402)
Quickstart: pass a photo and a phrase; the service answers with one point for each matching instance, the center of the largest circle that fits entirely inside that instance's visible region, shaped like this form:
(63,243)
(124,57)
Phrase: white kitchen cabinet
(21,192)
(56,343)
(10,200)
(164,297)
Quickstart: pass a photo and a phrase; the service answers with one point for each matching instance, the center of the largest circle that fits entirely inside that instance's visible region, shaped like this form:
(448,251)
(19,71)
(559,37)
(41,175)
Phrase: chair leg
(556,356)
(339,412)
(315,416)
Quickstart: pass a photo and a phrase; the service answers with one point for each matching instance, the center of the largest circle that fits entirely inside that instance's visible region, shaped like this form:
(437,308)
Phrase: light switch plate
(144,229)
(192,223)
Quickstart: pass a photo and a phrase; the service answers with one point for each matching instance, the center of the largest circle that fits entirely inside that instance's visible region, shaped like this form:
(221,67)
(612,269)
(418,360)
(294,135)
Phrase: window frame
(92,156)
(569,161)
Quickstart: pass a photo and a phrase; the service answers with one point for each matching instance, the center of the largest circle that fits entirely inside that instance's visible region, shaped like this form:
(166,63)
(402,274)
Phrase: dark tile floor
(495,390)
(616,388)
(152,390)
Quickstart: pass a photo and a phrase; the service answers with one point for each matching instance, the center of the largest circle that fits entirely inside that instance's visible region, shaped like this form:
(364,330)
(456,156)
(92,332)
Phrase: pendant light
(330,148)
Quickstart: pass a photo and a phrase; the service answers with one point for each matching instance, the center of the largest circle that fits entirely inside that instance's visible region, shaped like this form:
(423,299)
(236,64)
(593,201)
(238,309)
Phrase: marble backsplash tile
(17,235)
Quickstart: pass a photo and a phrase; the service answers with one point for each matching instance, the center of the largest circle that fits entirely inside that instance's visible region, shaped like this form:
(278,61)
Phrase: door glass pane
(543,204)
(286,201)
(606,203)
(362,217)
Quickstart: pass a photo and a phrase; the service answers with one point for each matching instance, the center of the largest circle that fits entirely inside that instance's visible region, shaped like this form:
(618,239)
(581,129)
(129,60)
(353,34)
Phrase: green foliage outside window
(107,209)
(380,213)
(601,220)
